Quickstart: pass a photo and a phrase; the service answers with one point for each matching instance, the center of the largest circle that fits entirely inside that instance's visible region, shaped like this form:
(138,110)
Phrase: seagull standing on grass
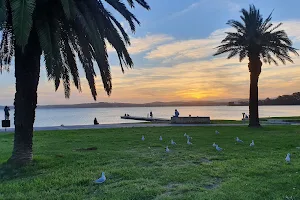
(143,138)
(217,132)
(238,140)
(172,142)
(102,179)
(160,138)
(218,148)
(288,158)
(167,149)
(252,143)
(188,137)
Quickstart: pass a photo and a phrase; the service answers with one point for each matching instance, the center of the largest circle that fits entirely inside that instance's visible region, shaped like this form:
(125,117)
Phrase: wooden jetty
(148,119)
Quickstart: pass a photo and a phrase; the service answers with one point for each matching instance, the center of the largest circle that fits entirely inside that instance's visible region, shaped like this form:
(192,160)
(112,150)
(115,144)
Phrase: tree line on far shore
(293,99)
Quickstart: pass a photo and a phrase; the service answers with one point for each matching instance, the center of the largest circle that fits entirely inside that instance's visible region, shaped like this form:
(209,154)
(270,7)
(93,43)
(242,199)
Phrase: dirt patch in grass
(87,149)
(202,161)
(170,190)
(215,184)
(172,186)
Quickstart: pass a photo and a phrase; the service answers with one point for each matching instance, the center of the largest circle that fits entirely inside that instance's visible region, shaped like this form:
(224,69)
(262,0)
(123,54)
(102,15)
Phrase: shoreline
(130,125)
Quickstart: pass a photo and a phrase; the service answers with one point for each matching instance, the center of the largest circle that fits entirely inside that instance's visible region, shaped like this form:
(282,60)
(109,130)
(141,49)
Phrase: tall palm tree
(258,40)
(61,31)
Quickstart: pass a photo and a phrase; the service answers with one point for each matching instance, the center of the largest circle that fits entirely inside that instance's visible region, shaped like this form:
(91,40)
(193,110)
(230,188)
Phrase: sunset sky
(172,52)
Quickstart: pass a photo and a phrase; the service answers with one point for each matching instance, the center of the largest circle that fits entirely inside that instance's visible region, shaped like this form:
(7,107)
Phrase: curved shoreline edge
(130,125)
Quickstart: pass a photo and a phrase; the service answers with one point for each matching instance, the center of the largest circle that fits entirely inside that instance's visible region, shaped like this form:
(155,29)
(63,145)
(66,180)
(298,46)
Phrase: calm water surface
(85,116)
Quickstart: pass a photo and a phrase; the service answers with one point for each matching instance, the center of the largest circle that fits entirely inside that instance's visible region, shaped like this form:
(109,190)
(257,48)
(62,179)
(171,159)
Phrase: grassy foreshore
(63,169)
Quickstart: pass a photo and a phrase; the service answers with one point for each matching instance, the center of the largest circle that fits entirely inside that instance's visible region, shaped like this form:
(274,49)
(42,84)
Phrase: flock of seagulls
(102,179)
(190,143)
(216,146)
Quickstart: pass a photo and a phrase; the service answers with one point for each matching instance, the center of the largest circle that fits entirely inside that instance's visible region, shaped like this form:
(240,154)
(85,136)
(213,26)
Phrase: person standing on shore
(176,113)
(6,112)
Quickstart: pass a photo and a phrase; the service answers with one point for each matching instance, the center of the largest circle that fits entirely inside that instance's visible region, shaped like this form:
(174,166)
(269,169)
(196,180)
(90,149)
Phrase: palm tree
(61,31)
(259,40)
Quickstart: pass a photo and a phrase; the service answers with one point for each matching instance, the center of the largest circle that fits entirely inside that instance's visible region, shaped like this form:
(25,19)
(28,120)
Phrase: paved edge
(128,125)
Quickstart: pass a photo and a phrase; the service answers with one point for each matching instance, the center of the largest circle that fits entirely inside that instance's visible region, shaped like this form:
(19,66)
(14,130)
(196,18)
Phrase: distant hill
(293,99)
(152,104)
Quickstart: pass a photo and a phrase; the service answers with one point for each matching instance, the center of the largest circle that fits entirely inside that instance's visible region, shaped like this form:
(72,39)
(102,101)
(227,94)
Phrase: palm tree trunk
(27,73)
(255,70)
(253,101)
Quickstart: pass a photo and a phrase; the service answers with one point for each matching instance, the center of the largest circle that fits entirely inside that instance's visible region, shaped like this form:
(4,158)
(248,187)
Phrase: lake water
(85,116)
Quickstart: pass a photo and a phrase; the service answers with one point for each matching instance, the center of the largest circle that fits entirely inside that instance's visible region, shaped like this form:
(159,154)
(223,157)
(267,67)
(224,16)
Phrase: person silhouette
(151,114)
(96,121)
(176,113)
(6,112)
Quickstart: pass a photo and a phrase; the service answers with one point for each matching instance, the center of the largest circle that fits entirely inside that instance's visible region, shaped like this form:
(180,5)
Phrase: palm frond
(3,13)
(122,9)
(66,4)
(257,38)
(69,60)
(237,25)
(143,3)
(66,82)
(70,29)
(45,38)
(22,11)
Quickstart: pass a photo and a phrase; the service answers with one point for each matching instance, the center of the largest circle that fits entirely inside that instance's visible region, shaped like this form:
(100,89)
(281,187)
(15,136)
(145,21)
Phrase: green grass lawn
(291,118)
(221,121)
(143,170)
(295,119)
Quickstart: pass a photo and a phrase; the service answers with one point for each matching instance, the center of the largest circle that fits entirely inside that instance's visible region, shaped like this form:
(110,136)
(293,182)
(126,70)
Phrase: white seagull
(143,138)
(217,132)
(160,138)
(102,179)
(288,158)
(167,149)
(252,143)
(238,140)
(188,137)
(218,148)
(172,142)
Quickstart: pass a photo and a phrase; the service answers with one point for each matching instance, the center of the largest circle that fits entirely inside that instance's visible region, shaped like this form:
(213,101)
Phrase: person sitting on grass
(96,121)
